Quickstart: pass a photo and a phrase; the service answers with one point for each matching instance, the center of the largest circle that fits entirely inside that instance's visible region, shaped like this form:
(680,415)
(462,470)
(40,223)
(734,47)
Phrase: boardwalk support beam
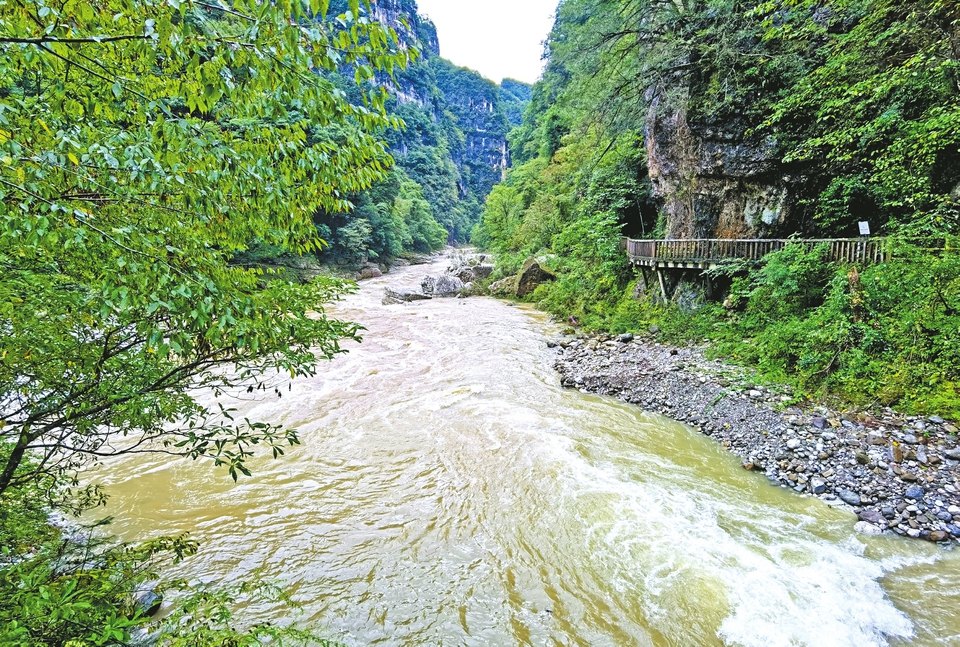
(663,285)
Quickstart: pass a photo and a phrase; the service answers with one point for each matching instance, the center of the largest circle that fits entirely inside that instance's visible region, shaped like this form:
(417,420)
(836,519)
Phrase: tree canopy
(144,143)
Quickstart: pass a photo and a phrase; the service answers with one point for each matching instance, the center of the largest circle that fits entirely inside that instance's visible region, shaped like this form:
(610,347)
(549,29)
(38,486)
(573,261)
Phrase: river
(450,492)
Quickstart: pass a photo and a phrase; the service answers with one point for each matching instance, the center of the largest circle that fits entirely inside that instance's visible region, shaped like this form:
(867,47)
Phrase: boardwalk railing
(707,251)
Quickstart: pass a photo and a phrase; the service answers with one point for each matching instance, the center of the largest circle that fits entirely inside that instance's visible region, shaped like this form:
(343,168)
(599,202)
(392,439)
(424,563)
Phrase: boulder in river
(471,273)
(872,516)
(403,295)
(441,286)
(370,271)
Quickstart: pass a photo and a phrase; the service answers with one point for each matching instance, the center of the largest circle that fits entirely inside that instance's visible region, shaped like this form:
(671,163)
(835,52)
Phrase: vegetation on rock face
(852,105)
(143,146)
(452,144)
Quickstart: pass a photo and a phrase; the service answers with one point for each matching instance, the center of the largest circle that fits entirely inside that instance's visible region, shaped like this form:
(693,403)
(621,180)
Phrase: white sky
(498,38)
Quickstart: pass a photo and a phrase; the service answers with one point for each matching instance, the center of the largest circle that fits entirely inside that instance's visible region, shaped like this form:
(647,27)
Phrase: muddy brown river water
(450,492)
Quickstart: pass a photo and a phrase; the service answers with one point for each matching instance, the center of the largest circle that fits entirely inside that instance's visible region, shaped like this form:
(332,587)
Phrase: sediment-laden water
(450,492)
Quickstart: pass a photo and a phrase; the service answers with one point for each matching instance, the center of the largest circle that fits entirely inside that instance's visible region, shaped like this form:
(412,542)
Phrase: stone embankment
(897,473)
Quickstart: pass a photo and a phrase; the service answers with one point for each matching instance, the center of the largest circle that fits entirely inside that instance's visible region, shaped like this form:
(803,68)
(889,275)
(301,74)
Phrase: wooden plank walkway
(707,252)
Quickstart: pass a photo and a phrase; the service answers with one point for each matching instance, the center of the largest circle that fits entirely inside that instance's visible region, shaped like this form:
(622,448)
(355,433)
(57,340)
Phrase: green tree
(424,233)
(879,113)
(144,143)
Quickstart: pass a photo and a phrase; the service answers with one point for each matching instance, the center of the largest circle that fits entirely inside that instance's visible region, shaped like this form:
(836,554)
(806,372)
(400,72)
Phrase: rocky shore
(898,474)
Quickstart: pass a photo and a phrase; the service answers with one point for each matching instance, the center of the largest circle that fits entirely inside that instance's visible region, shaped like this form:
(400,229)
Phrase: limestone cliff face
(714,182)
(403,17)
(476,105)
(416,30)
(444,91)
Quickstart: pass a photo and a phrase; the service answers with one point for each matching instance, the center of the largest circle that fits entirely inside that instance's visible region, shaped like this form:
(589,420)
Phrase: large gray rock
(403,295)
(504,287)
(448,286)
(441,286)
(531,276)
(370,271)
(872,516)
(472,272)
(866,528)
(428,284)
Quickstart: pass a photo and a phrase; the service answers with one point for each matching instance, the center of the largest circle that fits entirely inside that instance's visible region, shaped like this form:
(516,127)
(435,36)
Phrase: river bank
(897,473)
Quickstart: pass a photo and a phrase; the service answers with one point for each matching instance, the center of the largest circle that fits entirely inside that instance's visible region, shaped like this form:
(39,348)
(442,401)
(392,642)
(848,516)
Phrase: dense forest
(449,150)
(745,120)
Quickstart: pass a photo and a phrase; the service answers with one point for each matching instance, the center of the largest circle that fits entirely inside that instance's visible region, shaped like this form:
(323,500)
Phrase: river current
(449,492)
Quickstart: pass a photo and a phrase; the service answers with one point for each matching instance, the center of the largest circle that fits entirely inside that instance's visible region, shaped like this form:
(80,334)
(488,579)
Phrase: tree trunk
(13,462)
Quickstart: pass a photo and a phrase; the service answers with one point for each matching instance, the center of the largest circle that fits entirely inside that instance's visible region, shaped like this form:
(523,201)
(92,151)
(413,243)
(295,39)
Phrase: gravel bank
(897,473)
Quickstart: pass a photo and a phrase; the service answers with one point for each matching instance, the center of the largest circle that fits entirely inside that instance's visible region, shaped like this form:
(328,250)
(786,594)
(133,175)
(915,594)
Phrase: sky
(498,38)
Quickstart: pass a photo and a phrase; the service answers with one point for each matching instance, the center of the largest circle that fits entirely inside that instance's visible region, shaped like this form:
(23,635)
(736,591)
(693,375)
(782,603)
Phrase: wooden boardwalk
(708,252)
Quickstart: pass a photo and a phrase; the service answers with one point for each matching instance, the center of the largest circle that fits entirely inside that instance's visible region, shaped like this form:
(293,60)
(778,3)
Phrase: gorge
(254,386)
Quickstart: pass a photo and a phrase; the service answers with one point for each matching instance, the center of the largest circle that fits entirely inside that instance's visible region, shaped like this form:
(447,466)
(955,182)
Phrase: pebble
(865,528)
(793,443)
(849,497)
(871,516)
